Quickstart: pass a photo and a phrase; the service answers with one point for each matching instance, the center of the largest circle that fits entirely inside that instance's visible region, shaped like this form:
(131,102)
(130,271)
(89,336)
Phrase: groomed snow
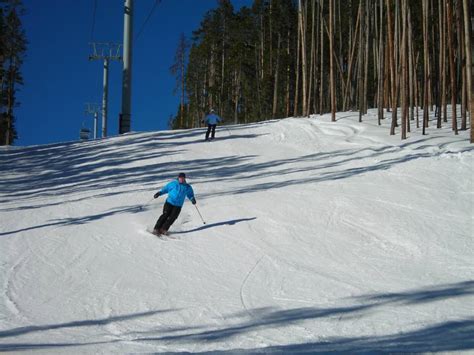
(319,236)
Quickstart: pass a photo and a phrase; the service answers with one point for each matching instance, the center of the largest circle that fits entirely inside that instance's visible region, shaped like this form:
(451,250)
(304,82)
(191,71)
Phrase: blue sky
(59,78)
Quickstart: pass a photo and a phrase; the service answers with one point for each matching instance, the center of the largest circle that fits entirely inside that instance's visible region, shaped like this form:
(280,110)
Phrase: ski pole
(197,209)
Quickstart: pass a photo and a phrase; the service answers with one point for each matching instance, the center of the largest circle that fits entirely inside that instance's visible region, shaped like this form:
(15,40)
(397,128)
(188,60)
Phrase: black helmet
(182,175)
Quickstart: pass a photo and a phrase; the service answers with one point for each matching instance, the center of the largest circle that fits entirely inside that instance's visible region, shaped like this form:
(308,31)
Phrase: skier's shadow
(207,226)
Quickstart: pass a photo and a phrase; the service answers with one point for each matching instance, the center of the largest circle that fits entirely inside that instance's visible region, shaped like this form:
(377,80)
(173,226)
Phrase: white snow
(320,236)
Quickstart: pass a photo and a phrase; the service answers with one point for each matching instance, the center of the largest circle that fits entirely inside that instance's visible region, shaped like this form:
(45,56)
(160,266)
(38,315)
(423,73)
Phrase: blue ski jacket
(212,118)
(177,192)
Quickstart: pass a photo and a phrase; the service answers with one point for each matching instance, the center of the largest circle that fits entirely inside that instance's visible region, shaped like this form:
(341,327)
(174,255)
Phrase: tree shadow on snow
(121,163)
(70,221)
(75,324)
(443,337)
(429,294)
(452,335)
(448,336)
(82,323)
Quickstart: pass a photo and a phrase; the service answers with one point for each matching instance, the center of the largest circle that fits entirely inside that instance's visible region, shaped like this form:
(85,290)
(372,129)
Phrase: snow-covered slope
(319,236)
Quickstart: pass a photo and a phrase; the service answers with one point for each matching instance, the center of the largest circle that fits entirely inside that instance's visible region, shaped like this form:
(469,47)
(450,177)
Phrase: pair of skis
(166,236)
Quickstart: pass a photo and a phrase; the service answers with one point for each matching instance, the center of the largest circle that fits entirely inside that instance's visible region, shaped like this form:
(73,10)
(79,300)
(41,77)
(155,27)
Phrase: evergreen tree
(3,101)
(178,69)
(12,48)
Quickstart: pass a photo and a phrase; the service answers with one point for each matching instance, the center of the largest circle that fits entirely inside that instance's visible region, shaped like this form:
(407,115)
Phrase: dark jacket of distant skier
(211,120)
(177,191)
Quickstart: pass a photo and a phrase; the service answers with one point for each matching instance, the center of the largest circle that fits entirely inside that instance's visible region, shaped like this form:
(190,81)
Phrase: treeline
(12,52)
(283,58)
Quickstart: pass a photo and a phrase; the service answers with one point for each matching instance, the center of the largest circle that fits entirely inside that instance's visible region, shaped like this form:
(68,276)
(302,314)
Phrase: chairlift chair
(84,133)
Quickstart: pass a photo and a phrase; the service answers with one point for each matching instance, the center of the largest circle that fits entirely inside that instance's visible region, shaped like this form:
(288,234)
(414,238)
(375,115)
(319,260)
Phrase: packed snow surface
(320,236)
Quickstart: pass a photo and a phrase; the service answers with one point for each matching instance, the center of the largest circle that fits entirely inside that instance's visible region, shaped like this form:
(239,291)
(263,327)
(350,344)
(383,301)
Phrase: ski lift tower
(126,113)
(93,109)
(106,52)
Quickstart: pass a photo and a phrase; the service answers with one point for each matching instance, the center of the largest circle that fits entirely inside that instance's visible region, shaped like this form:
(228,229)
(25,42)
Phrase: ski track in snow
(242,298)
(9,286)
(319,236)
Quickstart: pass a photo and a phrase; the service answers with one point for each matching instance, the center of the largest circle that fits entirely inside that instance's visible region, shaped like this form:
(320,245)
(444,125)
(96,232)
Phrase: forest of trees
(282,58)
(12,52)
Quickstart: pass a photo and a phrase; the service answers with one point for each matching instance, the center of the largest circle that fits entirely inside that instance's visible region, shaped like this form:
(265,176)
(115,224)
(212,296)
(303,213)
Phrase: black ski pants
(211,128)
(170,213)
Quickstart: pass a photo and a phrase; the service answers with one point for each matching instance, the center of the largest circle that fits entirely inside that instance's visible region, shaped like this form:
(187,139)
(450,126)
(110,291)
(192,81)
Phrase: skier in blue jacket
(211,120)
(177,191)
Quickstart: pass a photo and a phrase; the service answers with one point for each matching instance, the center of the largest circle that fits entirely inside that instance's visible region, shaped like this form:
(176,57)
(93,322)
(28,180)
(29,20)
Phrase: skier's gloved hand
(193,201)
(157,195)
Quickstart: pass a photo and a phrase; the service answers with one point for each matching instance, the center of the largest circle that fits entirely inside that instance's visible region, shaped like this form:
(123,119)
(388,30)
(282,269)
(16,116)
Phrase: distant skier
(211,120)
(177,191)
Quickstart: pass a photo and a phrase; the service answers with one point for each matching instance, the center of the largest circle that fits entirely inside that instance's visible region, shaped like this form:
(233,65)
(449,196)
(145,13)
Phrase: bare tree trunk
(262,47)
(321,88)
(236,94)
(366,66)
(417,91)
(398,67)
(396,37)
(203,92)
(463,97)
(211,78)
(270,32)
(275,85)
(316,63)
(461,55)
(403,79)
(360,61)
(408,91)
(374,20)
(288,76)
(295,111)
(440,63)
(313,11)
(338,4)
(431,55)
(444,105)
(349,70)
(302,29)
(411,74)
(426,69)
(259,95)
(331,62)
(222,64)
(380,67)
(452,69)
(468,49)
(196,113)
(392,68)
(387,85)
